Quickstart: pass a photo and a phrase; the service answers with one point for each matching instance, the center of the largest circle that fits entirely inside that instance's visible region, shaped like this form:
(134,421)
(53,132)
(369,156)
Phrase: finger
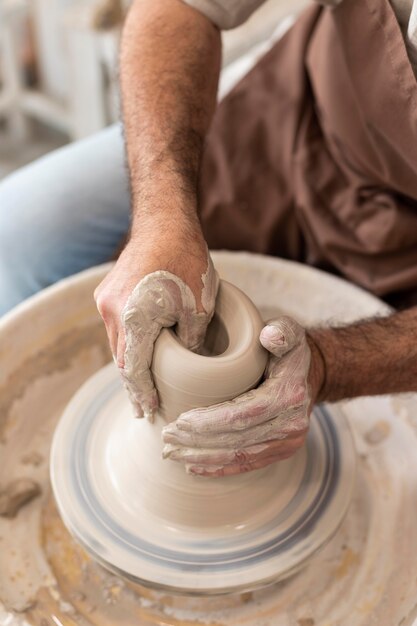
(136,371)
(226,456)
(211,282)
(269,400)
(191,329)
(277,428)
(237,468)
(281,335)
(144,403)
(120,350)
(192,325)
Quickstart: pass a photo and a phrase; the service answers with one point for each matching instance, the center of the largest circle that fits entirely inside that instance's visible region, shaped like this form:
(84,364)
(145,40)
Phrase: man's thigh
(62,214)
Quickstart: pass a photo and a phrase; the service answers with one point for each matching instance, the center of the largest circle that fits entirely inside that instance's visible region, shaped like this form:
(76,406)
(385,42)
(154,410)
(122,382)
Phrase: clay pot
(232,359)
(143,516)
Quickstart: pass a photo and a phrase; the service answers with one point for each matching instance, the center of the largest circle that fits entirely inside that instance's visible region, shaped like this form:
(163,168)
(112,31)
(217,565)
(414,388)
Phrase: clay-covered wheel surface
(129,536)
(365,574)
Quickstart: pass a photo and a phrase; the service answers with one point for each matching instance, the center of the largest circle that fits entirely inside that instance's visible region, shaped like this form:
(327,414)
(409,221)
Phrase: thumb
(137,368)
(191,330)
(281,335)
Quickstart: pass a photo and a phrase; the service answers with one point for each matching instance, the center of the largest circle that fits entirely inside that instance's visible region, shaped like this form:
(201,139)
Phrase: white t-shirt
(230,13)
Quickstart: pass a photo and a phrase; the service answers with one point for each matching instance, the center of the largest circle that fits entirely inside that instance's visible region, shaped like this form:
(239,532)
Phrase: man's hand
(367,358)
(161,279)
(169,92)
(261,426)
(169,88)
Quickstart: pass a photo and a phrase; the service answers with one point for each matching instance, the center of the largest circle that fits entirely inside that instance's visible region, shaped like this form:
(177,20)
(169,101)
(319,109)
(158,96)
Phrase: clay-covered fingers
(230,456)
(278,428)
(280,336)
(191,329)
(213,471)
(136,372)
(259,427)
(160,300)
(226,462)
(192,321)
(283,392)
(273,398)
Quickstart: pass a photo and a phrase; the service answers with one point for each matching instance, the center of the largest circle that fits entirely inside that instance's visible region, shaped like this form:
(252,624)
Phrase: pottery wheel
(366,573)
(301,502)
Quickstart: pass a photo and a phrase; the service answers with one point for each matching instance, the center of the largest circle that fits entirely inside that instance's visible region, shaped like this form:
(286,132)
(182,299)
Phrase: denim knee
(62,214)
(24,211)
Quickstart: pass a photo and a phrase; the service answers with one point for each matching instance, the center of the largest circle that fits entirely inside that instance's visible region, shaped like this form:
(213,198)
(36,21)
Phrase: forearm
(170,63)
(368,358)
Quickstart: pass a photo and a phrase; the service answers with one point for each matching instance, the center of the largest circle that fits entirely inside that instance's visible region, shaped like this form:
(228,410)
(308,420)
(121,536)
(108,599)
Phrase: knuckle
(101,287)
(300,393)
(296,427)
(104,306)
(290,327)
(241,457)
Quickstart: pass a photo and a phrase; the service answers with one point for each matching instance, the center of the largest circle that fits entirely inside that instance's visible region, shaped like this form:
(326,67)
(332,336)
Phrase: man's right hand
(164,277)
(169,94)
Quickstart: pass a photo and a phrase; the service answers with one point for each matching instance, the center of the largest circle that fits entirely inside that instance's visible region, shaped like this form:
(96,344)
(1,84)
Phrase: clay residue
(32,396)
(378,432)
(380,526)
(17,494)
(32,458)
(54,358)
(349,560)
(161,300)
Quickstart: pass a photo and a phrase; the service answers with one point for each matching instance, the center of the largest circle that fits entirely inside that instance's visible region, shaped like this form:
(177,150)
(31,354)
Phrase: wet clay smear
(16,494)
(56,357)
(365,576)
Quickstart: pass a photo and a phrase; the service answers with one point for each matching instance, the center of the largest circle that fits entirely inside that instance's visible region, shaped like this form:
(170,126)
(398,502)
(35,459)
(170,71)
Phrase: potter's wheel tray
(238,533)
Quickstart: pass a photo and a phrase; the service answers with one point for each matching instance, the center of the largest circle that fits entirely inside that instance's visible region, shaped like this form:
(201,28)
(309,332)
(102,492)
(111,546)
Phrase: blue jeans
(61,214)
(70,210)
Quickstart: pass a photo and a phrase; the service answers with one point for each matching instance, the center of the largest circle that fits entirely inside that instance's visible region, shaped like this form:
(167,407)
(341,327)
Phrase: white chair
(78,90)
(77,83)
(11,85)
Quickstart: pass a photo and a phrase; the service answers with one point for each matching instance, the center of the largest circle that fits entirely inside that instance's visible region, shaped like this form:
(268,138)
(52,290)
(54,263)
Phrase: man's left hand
(262,426)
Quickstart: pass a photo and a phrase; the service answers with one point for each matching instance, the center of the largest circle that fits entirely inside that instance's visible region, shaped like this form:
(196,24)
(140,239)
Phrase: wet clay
(161,300)
(234,360)
(147,519)
(367,573)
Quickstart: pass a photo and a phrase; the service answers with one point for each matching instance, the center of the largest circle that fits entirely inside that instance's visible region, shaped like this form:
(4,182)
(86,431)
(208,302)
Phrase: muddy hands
(261,426)
(153,285)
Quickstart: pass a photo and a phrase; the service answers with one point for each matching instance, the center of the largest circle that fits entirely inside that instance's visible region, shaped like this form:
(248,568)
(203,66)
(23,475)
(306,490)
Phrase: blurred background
(58,68)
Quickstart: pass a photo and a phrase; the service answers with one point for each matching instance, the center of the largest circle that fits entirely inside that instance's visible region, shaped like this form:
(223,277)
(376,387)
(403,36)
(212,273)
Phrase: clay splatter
(17,494)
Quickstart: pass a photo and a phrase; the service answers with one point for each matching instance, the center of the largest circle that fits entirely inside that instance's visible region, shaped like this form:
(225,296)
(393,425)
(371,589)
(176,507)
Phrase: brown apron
(313,155)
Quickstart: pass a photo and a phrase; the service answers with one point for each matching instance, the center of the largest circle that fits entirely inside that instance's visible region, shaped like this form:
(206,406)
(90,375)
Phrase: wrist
(166,244)
(163,181)
(340,365)
(317,371)
(166,212)
(168,234)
